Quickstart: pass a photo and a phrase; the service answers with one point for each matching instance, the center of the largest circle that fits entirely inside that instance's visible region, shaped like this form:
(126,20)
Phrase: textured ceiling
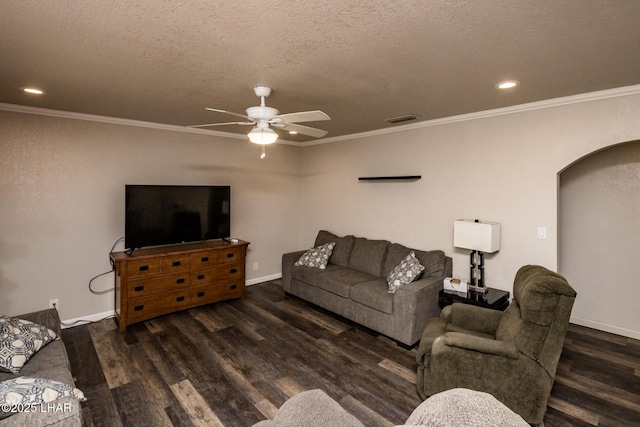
(359,61)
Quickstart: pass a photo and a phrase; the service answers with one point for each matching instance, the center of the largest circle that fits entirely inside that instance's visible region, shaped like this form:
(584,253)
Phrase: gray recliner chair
(512,355)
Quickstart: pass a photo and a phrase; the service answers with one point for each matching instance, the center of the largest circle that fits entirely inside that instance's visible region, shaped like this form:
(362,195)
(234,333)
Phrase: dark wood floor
(234,363)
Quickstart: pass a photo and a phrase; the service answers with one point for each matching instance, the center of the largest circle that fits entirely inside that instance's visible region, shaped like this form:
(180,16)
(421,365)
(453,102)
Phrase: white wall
(599,217)
(62,189)
(500,168)
(62,201)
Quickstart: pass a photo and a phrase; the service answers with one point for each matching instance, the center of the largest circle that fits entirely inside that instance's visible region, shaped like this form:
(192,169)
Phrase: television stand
(162,280)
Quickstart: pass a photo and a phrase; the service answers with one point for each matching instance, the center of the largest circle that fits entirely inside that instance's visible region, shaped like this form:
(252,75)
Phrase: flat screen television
(159,215)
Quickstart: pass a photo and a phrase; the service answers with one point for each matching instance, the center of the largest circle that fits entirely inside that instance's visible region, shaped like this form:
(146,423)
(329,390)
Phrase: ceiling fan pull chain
(264,153)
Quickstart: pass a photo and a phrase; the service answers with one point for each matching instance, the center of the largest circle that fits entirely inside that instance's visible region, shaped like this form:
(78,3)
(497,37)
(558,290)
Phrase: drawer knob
(138,308)
(233,286)
(200,276)
(230,255)
(200,294)
(180,281)
(179,299)
(139,288)
(144,268)
(233,270)
(176,263)
(204,259)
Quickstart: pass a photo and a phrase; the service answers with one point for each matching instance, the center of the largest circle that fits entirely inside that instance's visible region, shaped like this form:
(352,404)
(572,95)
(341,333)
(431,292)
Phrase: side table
(494,299)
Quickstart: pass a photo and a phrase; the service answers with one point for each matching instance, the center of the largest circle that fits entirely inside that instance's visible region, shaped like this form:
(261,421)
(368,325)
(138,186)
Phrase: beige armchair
(512,355)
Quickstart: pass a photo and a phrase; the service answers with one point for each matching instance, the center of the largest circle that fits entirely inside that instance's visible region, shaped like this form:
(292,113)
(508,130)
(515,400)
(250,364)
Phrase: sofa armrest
(288,260)
(482,345)
(474,318)
(48,318)
(419,301)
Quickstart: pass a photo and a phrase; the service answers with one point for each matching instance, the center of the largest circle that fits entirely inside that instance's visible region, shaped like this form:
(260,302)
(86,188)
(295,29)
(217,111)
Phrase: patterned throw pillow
(33,391)
(317,257)
(19,340)
(406,272)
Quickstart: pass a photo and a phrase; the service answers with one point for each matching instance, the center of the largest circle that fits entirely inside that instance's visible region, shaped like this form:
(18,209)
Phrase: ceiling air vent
(401,119)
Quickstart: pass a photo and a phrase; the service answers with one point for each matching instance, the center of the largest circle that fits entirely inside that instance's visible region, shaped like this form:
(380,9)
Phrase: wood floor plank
(234,363)
(574,411)
(405,373)
(119,366)
(199,411)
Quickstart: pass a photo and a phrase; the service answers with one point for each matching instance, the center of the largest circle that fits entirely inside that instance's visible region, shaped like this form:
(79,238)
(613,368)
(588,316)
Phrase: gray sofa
(353,284)
(52,363)
(456,407)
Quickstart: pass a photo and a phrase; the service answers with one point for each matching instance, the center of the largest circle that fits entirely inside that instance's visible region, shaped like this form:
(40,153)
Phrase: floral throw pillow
(19,340)
(317,257)
(406,272)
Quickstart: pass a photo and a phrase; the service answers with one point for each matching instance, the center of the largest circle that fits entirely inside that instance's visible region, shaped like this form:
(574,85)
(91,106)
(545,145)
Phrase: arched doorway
(599,237)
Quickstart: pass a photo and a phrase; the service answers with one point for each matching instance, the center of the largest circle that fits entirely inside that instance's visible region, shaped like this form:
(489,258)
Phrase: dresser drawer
(220,272)
(143,267)
(156,305)
(138,288)
(217,292)
(175,263)
(230,255)
(203,259)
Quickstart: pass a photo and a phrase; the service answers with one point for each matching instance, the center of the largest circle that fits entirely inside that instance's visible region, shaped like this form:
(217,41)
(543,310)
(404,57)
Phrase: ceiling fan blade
(304,116)
(304,130)
(228,112)
(223,124)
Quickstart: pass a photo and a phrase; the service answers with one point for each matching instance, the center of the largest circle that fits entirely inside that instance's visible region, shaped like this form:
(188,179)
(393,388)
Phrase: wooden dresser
(156,281)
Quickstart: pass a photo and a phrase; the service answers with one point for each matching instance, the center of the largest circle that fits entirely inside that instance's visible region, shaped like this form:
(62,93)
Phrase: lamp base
(477,289)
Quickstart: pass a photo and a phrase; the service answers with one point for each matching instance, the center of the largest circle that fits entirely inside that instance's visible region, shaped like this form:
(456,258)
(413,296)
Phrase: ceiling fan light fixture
(262,135)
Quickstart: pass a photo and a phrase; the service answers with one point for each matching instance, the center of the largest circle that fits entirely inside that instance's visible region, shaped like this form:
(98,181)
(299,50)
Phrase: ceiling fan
(263,118)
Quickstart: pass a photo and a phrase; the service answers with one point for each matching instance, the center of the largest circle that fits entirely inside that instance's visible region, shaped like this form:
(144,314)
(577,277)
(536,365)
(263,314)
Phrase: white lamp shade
(480,236)
(262,135)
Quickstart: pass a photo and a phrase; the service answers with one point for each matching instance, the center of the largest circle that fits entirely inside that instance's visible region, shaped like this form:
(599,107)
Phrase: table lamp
(481,237)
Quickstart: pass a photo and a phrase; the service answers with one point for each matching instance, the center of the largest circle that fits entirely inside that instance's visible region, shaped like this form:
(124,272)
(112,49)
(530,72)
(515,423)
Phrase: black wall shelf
(390,178)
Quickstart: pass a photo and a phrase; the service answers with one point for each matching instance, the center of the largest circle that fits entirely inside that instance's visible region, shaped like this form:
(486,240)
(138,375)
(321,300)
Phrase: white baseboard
(70,323)
(629,333)
(263,279)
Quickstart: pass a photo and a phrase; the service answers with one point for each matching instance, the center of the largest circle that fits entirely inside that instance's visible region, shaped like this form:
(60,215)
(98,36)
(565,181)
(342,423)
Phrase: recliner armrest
(473,318)
(483,345)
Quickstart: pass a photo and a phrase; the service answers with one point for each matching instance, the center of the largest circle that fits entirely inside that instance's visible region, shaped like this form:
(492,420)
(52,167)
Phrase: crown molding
(113,120)
(549,103)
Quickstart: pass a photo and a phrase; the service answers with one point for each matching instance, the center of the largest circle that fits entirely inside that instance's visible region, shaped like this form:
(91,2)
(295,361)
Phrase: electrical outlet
(542,233)
(255,266)
(53,303)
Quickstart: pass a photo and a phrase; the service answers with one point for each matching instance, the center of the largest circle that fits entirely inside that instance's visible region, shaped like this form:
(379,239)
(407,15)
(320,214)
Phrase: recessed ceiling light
(293,132)
(507,84)
(33,91)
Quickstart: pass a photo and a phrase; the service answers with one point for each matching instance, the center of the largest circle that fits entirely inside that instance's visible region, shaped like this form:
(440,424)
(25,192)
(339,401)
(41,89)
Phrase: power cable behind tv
(105,273)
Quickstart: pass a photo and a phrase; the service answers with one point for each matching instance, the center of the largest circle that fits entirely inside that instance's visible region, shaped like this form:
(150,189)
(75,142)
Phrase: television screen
(168,214)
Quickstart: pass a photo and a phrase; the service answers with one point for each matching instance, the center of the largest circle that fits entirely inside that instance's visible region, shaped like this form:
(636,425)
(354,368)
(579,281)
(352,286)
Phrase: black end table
(494,299)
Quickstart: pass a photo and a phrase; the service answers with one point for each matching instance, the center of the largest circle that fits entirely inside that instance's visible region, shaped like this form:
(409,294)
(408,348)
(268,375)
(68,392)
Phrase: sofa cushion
(19,341)
(405,272)
(309,275)
(464,407)
(368,255)
(373,294)
(317,257)
(340,280)
(311,408)
(342,250)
